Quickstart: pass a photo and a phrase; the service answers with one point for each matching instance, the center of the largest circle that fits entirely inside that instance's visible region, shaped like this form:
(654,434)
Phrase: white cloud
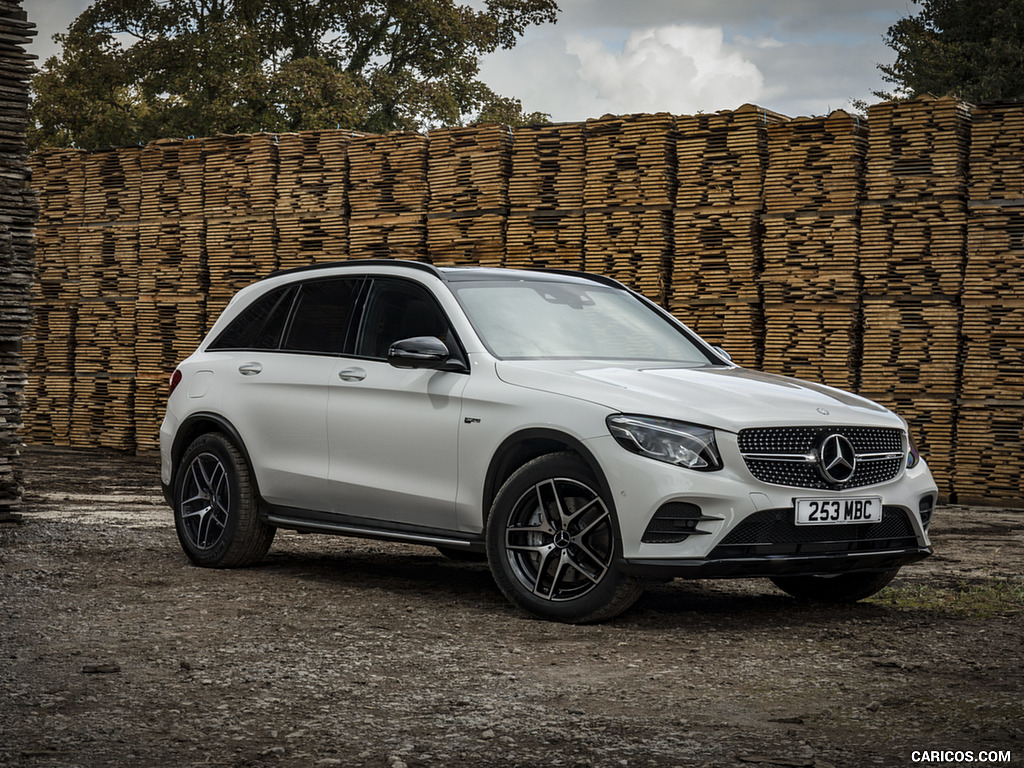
(680,69)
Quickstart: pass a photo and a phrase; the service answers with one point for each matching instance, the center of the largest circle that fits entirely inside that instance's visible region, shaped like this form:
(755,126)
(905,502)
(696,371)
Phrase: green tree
(971,49)
(137,70)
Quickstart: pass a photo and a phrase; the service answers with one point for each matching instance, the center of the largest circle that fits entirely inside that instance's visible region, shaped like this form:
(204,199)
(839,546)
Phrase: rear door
(277,399)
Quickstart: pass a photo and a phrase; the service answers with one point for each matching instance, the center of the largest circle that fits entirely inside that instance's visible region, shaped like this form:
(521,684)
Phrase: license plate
(838,511)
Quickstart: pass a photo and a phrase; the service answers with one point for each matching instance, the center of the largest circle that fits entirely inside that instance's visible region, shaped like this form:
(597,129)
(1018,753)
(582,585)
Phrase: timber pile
(628,196)
(990,440)
(721,161)
(809,283)
(170,310)
(311,207)
(913,249)
(18,213)
(108,285)
(918,149)
(49,349)
(545,223)
(388,195)
(468,174)
(239,204)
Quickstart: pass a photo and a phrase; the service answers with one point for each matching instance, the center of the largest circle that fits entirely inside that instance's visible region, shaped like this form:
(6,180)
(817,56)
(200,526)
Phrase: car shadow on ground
(434,581)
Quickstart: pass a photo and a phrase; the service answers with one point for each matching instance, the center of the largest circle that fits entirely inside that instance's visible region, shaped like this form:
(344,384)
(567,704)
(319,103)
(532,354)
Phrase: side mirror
(422,352)
(722,353)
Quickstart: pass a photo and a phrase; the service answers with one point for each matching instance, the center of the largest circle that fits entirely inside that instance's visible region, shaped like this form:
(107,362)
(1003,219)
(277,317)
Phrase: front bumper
(742,526)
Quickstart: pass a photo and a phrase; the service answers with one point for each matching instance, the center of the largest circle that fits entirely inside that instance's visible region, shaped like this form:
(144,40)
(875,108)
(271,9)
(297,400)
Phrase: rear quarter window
(260,325)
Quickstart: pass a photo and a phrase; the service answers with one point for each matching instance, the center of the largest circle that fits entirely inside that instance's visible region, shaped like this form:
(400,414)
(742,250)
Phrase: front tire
(216,512)
(552,540)
(844,588)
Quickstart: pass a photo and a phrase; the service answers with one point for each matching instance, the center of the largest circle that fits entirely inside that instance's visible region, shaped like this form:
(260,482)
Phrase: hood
(727,398)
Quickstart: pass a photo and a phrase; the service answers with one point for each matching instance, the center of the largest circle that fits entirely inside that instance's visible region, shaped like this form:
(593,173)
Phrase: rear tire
(216,512)
(552,541)
(844,588)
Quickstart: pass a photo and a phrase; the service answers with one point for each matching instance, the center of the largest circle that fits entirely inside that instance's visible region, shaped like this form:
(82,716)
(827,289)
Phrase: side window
(320,321)
(397,309)
(258,326)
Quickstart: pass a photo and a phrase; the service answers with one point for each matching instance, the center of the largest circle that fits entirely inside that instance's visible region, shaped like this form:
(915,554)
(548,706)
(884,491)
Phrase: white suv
(560,424)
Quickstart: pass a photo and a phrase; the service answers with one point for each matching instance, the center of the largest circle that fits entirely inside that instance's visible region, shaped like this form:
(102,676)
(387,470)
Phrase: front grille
(774,532)
(775,448)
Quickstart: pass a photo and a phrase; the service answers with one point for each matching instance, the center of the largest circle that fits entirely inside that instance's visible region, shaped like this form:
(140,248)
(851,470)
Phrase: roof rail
(420,265)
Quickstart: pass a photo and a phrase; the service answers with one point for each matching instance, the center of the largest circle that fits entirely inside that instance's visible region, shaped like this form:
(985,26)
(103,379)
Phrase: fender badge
(823,411)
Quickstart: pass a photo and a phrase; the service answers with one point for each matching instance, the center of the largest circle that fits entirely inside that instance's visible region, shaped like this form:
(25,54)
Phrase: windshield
(533,319)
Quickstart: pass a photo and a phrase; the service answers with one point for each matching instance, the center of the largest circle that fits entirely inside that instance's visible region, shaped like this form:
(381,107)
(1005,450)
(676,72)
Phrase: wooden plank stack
(18,213)
(546,220)
(388,197)
(170,310)
(310,214)
(809,282)
(717,228)
(239,203)
(990,435)
(49,349)
(468,178)
(108,283)
(628,196)
(913,249)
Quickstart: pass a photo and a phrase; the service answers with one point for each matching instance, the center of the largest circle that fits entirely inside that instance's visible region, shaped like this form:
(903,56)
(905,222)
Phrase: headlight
(674,442)
(913,455)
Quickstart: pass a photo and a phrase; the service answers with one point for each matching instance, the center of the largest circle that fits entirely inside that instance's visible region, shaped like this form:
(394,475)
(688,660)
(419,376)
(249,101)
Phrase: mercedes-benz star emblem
(837,459)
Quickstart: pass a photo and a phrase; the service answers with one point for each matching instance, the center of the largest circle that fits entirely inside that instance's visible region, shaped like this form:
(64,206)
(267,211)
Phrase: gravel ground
(344,652)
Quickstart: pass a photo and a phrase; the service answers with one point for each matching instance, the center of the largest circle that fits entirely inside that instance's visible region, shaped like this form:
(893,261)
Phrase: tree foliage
(971,49)
(137,70)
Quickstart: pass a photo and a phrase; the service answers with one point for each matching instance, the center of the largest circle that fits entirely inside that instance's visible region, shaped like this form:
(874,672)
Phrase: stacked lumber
(312,168)
(59,179)
(108,284)
(170,306)
(468,175)
(18,212)
(545,223)
(918,149)
(170,328)
(809,282)
(240,198)
(632,246)
(628,196)
(467,240)
(545,240)
(816,164)
(388,195)
(238,252)
(990,440)
(171,180)
(913,249)
(721,160)
(112,185)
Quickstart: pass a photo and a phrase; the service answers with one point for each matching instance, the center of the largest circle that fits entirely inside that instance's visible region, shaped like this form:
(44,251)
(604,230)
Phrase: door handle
(352,374)
(250,369)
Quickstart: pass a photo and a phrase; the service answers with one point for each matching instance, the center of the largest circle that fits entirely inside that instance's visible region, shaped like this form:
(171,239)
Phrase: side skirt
(305,521)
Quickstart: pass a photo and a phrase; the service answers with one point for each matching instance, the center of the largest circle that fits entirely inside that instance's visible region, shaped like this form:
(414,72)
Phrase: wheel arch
(528,444)
(199,424)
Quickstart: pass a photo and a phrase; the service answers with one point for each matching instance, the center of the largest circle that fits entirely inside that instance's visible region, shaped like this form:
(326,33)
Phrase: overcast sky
(797,57)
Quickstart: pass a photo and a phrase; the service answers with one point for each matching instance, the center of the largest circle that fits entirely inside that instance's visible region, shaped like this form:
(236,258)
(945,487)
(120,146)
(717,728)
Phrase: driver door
(393,433)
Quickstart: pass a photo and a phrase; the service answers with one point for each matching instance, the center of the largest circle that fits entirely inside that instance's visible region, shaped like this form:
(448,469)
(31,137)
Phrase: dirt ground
(114,651)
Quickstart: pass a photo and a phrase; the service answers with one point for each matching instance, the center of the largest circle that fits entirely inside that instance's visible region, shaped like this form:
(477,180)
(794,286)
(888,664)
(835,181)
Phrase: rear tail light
(175,381)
